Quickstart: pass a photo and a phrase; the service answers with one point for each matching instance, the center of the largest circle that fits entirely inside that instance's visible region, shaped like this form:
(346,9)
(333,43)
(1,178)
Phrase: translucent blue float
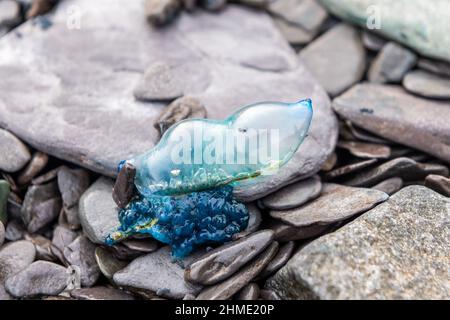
(185,183)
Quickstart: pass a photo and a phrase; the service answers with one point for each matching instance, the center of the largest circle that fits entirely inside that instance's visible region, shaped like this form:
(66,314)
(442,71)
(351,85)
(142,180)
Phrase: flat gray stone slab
(392,113)
(398,250)
(69,92)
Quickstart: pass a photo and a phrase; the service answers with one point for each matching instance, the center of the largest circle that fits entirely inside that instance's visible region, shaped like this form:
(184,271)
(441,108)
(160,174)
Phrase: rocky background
(361,211)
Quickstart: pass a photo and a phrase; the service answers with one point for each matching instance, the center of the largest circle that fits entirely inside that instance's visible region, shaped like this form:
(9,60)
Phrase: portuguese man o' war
(184,185)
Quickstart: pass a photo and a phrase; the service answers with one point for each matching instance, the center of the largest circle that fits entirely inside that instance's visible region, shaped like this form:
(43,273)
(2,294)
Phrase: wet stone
(39,278)
(405,168)
(98,211)
(14,155)
(180,109)
(107,263)
(226,289)
(14,257)
(41,206)
(281,258)
(366,150)
(390,186)
(81,253)
(427,84)
(285,232)
(391,64)
(327,58)
(390,112)
(398,250)
(160,12)
(293,195)
(124,186)
(34,167)
(336,203)
(72,184)
(439,184)
(157,272)
(349,168)
(100,293)
(249,292)
(224,261)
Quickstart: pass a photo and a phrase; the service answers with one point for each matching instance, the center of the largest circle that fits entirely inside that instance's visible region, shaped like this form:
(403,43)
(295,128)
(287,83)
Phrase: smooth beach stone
(9,13)
(439,184)
(107,263)
(14,257)
(264,68)
(438,67)
(419,24)
(391,64)
(157,272)
(14,155)
(254,221)
(100,293)
(159,12)
(15,230)
(35,166)
(81,253)
(405,168)
(398,250)
(330,162)
(249,292)
(62,237)
(388,111)
(98,211)
(365,150)
(40,7)
(349,168)
(327,58)
(39,278)
(281,258)
(390,185)
(306,14)
(372,41)
(293,33)
(4,192)
(224,261)
(141,245)
(41,205)
(336,203)
(72,183)
(2,233)
(427,84)
(293,195)
(226,289)
(285,232)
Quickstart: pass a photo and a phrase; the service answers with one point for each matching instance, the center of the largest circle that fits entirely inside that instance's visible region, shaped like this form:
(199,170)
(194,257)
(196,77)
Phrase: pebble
(428,85)
(393,114)
(372,41)
(62,237)
(40,7)
(81,253)
(39,278)
(72,183)
(2,233)
(439,184)
(227,259)
(330,162)
(391,64)
(107,263)
(41,205)
(124,188)
(226,289)
(281,258)
(15,230)
(336,203)
(366,150)
(14,155)
(294,34)
(390,185)
(47,177)
(395,22)
(4,193)
(349,168)
(9,13)
(157,272)
(405,168)
(43,247)
(98,211)
(14,257)
(293,195)
(249,292)
(438,67)
(160,12)
(141,245)
(398,250)
(285,232)
(254,221)
(100,293)
(34,167)
(327,58)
